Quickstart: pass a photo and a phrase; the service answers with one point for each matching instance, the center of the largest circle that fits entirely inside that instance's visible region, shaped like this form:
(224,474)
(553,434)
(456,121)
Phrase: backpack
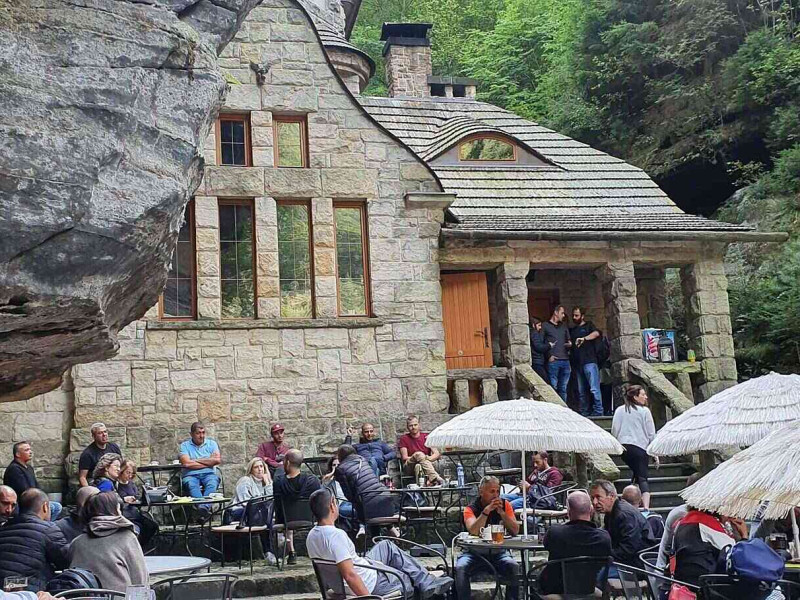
(537,499)
(655,522)
(602,349)
(73,579)
(755,561)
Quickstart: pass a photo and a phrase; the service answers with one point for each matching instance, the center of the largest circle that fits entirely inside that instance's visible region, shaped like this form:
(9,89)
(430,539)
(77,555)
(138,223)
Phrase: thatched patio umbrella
(737,417)
(524,425)
(767,471)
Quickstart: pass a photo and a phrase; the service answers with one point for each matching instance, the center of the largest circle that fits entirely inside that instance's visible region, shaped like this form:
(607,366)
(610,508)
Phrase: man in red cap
(274,450)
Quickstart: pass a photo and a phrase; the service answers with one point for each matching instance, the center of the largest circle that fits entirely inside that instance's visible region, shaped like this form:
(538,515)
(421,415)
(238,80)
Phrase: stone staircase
(665,483)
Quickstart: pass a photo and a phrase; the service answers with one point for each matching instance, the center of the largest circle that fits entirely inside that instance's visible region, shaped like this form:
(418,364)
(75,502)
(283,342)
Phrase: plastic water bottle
(460,475)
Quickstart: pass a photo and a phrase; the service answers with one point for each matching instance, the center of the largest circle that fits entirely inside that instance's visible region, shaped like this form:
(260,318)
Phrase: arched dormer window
(487,148)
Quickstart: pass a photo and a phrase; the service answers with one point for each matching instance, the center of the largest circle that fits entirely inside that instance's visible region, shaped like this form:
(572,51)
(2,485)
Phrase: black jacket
(570,540)
(630,533)
(362,488)
(19,478)
(539,348)
(285,488)
(30,547)
(71,527)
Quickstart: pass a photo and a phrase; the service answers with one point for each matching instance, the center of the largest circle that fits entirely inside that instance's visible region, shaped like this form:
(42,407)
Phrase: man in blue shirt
(198,458)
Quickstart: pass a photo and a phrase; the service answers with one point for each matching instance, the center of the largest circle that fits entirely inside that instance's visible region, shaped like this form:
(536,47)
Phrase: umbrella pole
(796,535)
(525,503)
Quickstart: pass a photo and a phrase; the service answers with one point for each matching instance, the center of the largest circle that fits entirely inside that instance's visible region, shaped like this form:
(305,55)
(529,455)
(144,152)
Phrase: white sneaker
(270,559)
(361,531)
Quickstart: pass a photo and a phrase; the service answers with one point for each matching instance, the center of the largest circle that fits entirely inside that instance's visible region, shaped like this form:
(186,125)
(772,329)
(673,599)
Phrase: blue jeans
(589,376)
(201,484)
(468,564)
(559,371)
(55,510)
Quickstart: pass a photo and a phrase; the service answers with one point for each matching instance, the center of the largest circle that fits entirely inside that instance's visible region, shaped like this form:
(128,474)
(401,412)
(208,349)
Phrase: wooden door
(465,310)
(542,302)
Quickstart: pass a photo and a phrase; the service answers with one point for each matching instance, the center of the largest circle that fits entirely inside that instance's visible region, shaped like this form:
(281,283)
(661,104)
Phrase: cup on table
(15,584)
(176,462)
(154,463)
(498,533)
(486,533)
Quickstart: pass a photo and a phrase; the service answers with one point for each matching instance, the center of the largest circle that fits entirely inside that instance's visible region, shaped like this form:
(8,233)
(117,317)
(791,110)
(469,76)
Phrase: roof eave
(611,236)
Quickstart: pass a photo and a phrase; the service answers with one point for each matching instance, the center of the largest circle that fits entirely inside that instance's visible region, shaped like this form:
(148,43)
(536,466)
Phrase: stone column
(512,305)
(708,325)
(268,292)
(324,247)
(206,219)
(651,287)
(622,317)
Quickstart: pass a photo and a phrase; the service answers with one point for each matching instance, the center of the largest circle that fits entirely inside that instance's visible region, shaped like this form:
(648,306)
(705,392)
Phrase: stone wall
(316,376)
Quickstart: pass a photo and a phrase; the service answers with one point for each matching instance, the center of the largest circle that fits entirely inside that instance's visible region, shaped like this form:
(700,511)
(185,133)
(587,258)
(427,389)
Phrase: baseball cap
(276,427)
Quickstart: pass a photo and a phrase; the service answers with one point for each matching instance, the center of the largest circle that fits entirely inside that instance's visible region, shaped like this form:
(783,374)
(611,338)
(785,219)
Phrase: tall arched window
(486,148)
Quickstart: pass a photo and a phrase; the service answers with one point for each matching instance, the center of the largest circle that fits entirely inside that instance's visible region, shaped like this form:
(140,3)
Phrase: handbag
(681,592)
(755,561)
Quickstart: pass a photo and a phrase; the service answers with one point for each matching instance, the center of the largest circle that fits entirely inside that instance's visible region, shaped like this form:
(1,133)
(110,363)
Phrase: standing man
(415,455)
(199,455)
(372,448)
(487,509)
(92,453)
(539,350)
(584,356)
(556,334)
(8,503)
(273,451)
(19,475)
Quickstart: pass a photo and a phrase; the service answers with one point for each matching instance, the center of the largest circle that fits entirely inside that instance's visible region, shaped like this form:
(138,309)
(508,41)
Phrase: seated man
(20,476)
(361,487)
(629,531)
(416,457)
(30,545)
(8,503)
(578,537)
(633,495)
(291,484)
(94,451)
(327,542)
(377,452)
(541,473)
(487,509)
(274,450)
(199,455)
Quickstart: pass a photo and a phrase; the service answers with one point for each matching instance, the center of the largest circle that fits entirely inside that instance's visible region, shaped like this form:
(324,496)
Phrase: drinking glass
(15,584)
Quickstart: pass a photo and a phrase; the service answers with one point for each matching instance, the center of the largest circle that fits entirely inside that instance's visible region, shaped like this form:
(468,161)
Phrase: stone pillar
(651,288)
(683,382)
(206,219)
(324,247)
(261,136)
(268,291)
(622,318)
(489,391)
(512,304)
(461,393)
(708,325)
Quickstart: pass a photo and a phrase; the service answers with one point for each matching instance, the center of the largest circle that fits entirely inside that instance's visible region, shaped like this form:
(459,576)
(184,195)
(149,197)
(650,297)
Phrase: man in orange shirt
(488,509)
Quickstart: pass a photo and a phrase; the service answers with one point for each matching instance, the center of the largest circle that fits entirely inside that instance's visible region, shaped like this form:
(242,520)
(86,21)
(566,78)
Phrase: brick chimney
(408,58)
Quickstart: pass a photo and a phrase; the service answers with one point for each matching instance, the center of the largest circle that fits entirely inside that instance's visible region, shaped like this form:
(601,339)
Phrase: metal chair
(499,581)
(438,571)
(203,586)
(640,584)
(245,525)
(91,594)
(297,516)
(579,578)
(331,583)
(726,587)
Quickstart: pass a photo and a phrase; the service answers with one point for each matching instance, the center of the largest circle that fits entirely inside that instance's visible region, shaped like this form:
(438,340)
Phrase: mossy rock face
(105,107)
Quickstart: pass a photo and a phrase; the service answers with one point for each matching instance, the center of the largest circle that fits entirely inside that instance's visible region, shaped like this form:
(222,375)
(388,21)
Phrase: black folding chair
(641,584)
(331,583)
(442,569)
(256,518)
(726,587)
(90,594)
(582,577)
(297,516)
(203,586)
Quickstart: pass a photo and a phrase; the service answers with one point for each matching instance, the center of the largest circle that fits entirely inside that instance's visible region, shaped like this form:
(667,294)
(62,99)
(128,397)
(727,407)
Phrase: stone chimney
(408,58)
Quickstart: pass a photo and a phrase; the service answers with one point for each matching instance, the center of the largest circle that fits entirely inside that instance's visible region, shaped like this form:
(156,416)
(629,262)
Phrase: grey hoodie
(111,551)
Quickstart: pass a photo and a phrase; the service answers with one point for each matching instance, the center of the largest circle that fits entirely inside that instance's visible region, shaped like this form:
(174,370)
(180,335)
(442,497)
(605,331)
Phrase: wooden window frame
(188,211)
(482,136)
(307,204)
(248,145)
(362,206)
(234,202)
(304,152)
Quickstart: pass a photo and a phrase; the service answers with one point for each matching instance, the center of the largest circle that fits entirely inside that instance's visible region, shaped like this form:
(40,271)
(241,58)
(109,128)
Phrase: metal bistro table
(523,545)
(182,503)
(165,565)
(434,507)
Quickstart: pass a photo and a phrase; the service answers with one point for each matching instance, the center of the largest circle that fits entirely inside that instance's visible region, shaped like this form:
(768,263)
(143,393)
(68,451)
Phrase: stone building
(350,258)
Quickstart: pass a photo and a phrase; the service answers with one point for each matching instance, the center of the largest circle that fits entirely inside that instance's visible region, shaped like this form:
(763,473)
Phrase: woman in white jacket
(634,428)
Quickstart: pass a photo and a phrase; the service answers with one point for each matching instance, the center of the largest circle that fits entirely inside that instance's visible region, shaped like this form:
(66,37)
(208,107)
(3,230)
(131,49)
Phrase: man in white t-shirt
(326,542)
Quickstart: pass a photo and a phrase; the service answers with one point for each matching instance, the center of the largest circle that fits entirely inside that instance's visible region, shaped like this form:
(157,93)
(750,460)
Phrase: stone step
(676,469)
(481,590)
(604,422)
(657,484)
(664,499)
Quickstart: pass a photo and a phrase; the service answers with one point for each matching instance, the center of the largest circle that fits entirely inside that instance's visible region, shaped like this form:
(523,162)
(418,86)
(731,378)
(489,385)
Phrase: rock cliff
(103,106)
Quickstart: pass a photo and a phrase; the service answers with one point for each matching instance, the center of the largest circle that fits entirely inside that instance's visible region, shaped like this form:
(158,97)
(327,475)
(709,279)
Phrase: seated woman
(145,526)
(109,548)
(74,525)
(256,484)
(106,473)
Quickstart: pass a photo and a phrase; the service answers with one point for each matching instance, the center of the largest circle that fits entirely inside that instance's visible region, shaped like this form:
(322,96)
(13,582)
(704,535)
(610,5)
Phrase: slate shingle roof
(582,189)
(332,39)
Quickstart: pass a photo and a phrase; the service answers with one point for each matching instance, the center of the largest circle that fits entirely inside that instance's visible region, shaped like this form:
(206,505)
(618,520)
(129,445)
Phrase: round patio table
(516,542)
(164,565)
